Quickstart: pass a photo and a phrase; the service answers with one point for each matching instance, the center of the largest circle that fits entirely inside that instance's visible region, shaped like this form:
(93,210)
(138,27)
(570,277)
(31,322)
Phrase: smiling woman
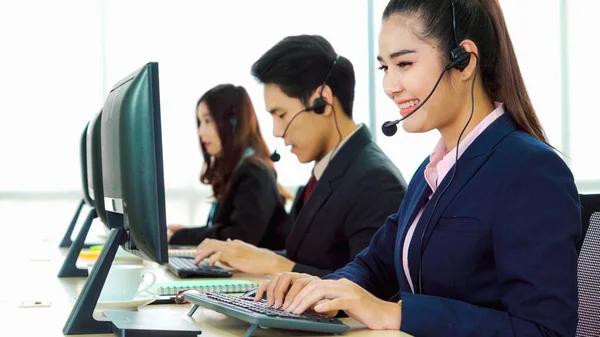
(511,241)
(539,52)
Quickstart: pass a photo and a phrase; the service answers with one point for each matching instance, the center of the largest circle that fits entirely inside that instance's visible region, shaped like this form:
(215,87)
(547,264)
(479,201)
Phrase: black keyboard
(258,313)
(184,268)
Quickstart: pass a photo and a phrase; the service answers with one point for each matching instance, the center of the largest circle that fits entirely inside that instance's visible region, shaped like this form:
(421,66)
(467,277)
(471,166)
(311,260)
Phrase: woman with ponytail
(484,242)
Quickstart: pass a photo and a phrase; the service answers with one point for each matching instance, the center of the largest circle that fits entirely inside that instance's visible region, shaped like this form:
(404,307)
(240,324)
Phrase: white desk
(36,280)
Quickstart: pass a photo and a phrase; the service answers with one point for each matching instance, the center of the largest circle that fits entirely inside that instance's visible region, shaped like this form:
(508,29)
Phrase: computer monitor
(94,185)
(86,199)
(91,176)
(84,150)
(134,199)
(132,163)
(91,167)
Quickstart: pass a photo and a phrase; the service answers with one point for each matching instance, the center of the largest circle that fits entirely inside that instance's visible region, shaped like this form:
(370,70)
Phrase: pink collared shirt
(440,163)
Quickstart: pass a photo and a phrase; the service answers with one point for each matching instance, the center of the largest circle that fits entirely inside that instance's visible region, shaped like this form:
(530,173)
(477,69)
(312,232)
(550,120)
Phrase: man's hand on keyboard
(243,257)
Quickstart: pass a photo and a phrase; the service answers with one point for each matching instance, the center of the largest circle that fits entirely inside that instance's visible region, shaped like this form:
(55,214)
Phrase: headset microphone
(389,128)
(317,107)
(460,60)
(275,157)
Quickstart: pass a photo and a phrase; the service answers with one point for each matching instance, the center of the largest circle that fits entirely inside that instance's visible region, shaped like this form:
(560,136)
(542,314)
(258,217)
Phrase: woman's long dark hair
(481,21)
(233,114)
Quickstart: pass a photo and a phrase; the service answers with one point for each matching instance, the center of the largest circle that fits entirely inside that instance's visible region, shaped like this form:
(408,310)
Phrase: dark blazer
(499,256)
(358,190)
(252,211)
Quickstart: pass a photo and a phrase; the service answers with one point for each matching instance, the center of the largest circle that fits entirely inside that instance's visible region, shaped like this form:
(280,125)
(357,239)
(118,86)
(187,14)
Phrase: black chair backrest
(588,280)
(590,203)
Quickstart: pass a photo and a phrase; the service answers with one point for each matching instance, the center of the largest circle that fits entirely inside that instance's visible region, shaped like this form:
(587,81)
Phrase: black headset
(459,56)
(460,60)
(232,119)
(317,107)
(233,123)
(320,103)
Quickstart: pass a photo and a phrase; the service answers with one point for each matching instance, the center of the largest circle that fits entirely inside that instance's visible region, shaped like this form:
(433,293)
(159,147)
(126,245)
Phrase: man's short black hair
(299,65)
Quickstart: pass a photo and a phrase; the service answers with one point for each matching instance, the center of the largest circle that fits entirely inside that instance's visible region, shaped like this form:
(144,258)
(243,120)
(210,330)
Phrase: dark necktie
(309,187)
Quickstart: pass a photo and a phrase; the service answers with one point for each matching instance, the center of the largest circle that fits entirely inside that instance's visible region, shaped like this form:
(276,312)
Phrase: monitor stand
(69,267)
(66,241)
(123,323)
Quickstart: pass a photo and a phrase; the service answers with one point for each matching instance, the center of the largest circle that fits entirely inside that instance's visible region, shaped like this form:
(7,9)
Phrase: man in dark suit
(354,187)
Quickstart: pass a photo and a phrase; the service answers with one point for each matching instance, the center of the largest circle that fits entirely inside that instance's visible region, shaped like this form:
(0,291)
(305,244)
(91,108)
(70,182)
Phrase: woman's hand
(282,286)
(243,257)
(327,296)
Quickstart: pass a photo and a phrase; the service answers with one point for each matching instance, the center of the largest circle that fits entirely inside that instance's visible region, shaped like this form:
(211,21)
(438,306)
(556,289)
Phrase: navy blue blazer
(499,256)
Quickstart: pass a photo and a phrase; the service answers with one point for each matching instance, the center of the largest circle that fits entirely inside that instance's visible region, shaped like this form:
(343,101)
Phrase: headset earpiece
(460,58)
(233,122)
(319,105)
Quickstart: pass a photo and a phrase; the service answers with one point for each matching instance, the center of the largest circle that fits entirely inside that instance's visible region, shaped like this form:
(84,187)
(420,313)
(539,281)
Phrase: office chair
(590,203)
(588,278)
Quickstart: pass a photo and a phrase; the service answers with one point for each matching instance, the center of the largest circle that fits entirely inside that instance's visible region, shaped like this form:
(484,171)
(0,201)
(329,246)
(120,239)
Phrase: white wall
(60,58)
(582,61)
(50,85)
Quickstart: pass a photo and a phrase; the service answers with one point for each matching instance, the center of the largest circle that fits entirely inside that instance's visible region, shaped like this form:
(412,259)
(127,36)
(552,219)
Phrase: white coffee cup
(123,283)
